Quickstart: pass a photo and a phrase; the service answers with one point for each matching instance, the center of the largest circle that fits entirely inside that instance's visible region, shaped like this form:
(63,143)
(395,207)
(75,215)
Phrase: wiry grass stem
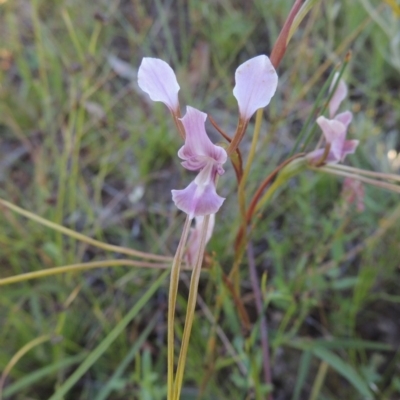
(80,236)
(78,267)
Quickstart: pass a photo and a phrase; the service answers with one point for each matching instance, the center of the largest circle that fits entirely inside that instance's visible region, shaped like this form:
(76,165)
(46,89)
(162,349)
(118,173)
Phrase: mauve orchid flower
(193,243)
(335,129)
(256,82)
(199,154)
(335,132)
(158,80)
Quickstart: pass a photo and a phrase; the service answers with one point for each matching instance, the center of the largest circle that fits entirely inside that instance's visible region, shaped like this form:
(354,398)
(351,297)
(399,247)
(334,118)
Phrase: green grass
(81,146)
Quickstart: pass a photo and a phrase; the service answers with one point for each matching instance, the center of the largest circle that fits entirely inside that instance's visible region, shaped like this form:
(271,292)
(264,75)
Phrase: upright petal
(345,118)
(256,82)
(158,80)
(339,95)
(198,148)
(335,134)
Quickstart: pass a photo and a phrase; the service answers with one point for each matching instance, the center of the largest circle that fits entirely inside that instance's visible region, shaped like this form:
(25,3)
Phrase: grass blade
(344,369)
(304,367)
(106,343)
(40,374)
(108,387)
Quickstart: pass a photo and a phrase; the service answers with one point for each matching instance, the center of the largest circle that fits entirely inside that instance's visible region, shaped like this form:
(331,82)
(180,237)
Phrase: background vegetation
(81,146)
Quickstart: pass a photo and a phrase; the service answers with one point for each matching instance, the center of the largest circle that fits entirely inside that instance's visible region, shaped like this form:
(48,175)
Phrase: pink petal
(315,155)
(349,147)
(339,95)
(335,134)
(198,148)
(198,200)
(195,237)
(345,118)
(158,80)
(256,82)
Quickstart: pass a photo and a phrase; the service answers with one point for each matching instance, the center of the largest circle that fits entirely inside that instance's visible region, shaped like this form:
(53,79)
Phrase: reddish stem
(281,43)
(238,166)
(257,195)
(244,316)
(265,183)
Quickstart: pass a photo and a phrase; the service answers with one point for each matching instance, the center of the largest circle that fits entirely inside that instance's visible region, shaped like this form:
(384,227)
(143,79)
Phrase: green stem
(194,283)
(173,292)
(246,172)
(235,273)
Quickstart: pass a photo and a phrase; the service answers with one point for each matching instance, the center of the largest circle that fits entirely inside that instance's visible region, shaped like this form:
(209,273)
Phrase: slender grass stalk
(39,45)
(80,236)
(359,171)
(343,46)
(79,267)
(194,283)
(74,178)
(72,34)
(18,355)
(384,185)
(173,292)
(38,375)
(63,166)
(319,380)
(94,38)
